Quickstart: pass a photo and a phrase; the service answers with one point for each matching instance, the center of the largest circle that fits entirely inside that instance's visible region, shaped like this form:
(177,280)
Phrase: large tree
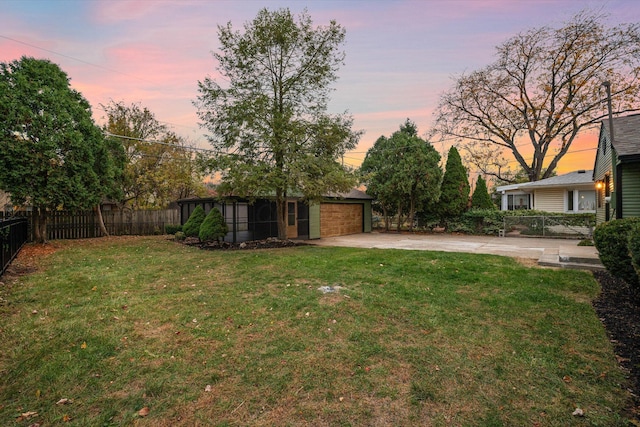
(543,89)
(267,113)
(402,173)
(52,155)
(159,167)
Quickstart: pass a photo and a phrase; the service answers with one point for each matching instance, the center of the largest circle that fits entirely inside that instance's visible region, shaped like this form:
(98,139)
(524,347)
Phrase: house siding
(314,221)
(603,167)
(550,200)
(631,190)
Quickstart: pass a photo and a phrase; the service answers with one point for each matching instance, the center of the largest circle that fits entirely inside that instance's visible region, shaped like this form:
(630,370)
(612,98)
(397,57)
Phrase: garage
(339,219)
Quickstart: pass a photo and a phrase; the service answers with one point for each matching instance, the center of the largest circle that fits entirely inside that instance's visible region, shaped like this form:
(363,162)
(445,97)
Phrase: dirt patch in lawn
(25,262)
(618,307)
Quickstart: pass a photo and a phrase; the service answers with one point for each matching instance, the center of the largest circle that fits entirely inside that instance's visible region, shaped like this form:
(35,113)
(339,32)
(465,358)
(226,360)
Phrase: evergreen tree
(213,227)
(402,173)
(191,228)
(454,191)
(52,154)
(481,198)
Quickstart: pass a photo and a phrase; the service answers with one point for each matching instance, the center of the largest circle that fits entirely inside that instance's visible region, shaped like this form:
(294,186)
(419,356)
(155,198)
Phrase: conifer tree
(213,227)
(191,228)
(481,198)
(454,191)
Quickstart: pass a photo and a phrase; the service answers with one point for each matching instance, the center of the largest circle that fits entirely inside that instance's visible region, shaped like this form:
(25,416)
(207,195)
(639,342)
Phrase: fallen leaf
(578,413)
(208,388)
(64,402)
(144,411)
(566,379)
(341,399)
(26,416)
(66,418)
(84,345)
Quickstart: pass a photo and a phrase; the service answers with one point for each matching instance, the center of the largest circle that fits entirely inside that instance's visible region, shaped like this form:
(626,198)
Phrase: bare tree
(543,89)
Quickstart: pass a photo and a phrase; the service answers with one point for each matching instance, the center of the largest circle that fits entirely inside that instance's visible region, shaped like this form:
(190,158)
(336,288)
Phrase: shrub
(213,227)
(612,242)
(179,236)
(172,228)
(634,248)
(191,228)
(484,221)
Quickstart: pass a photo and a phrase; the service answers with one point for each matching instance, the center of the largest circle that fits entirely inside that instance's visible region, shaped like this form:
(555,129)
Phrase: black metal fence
(13,234)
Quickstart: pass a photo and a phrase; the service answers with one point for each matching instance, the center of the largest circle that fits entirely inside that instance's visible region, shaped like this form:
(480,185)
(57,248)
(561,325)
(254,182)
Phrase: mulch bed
(269,243)
(618,307)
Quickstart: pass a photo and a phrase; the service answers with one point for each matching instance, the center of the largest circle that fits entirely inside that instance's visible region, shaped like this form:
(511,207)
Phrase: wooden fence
(84,224)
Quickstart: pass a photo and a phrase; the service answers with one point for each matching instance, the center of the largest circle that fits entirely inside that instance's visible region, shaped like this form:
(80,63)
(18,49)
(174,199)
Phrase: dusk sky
(400,55)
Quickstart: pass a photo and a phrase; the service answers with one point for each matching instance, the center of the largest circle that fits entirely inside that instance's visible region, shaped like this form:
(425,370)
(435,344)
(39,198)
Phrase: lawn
(145,331)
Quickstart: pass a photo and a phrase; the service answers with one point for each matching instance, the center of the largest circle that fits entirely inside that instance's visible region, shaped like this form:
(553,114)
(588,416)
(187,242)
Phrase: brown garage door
(339,219)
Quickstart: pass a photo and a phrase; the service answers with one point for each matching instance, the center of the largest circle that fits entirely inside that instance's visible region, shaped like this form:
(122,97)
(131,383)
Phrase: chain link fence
(564,226)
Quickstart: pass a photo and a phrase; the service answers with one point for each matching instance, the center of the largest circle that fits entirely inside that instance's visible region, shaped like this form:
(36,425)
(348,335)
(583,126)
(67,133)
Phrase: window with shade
(581,201)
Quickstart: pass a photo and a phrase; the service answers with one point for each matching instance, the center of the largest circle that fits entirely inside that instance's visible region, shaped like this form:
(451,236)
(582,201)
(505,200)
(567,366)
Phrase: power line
(74,59)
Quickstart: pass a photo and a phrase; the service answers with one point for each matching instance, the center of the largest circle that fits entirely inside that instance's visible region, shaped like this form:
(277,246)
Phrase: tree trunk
(40,224)
(281,209)
(387,221)
(103,229)
(399,217)
(412,213)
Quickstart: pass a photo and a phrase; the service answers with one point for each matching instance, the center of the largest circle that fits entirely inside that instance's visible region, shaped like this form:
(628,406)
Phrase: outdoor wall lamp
(599,185)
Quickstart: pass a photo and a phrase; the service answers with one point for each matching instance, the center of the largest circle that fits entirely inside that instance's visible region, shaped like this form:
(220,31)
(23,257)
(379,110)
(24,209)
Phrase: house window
(586,200)
(581,200)
(570,200)
(518,201)
(291,213)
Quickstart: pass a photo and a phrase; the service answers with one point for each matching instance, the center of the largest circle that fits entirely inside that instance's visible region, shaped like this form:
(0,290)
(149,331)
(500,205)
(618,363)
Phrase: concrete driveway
(547,252)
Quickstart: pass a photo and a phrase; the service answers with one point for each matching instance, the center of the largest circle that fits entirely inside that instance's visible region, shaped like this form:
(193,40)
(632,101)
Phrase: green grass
(411,338)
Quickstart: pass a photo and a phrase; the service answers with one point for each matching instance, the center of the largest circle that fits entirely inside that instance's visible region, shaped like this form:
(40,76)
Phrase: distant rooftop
(578,177)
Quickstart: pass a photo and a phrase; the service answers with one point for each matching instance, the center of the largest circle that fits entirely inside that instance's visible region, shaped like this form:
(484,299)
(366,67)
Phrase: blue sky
(400,55)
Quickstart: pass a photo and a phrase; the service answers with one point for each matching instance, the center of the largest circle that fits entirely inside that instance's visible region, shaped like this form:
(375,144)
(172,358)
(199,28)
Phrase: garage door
(339,219)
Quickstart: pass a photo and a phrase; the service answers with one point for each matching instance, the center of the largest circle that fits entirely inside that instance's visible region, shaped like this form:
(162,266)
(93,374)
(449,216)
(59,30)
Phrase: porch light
(599,185)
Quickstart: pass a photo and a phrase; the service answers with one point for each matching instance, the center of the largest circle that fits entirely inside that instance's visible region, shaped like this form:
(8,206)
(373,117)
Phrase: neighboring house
(569,193)
(617,169)
(336,215)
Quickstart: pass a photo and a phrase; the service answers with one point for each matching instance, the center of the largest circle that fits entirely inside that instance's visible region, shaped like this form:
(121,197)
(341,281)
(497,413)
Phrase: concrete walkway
(547,252)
